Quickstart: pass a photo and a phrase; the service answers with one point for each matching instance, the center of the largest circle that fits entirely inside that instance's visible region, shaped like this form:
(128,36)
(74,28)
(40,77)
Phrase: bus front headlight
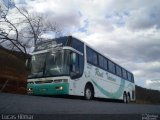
(29,89)
(59,88)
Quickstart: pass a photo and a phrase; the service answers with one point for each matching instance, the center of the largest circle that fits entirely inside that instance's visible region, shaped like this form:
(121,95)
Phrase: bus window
(81,64)
(101,61)
(124,74)
(118,71)
(105,63)
(78,45)
(132,78)
(129,76)
(78,67)
(91,56)
(111,67)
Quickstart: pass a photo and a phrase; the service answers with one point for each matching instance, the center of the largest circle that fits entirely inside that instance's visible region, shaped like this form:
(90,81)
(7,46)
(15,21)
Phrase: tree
(36,26)
(25,30)
(7,30)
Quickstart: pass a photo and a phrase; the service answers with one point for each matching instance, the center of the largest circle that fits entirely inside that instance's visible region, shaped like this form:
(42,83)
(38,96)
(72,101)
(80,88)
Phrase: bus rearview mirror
(26,63)
(73,58)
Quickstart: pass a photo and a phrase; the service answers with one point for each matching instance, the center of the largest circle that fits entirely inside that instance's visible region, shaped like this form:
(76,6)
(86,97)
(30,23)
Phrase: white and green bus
(68,66)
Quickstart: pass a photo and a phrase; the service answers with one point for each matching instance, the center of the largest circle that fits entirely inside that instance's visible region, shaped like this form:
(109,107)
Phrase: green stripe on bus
(116,94)
(49,89)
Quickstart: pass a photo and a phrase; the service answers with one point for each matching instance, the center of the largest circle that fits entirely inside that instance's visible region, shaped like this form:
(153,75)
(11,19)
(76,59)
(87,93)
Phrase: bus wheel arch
(89,91)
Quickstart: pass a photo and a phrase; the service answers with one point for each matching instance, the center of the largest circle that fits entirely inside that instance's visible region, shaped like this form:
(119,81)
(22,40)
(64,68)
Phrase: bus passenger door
(76,72)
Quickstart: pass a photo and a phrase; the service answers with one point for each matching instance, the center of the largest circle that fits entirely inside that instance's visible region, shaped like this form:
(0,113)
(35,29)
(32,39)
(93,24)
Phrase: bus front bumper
(48,89)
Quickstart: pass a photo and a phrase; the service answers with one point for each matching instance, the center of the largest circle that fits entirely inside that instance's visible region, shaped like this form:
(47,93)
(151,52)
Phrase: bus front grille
(45,81)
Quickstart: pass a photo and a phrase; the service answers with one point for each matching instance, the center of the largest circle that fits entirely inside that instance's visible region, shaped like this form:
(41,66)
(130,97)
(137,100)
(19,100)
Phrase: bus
(69,66)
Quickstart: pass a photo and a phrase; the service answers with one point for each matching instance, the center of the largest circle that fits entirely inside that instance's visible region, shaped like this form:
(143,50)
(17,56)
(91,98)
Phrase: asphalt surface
(14,103)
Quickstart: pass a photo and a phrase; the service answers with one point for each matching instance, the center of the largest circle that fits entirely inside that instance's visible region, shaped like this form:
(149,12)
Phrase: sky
(127,31)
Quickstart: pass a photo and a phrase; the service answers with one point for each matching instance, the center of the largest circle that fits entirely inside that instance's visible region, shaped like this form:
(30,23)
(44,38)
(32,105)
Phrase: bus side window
(105,62)
(78,45)
(101,64)
(118,71)
(92,56)
(111,67)
(124,74)
(129,76)
(77,67)
(132,78)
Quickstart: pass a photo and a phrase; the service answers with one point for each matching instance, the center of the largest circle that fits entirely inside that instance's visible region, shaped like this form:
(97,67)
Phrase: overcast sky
(127,31)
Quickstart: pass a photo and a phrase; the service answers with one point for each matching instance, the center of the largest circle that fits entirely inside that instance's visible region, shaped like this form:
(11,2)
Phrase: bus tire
(88,93)
(128,98)
(124,98)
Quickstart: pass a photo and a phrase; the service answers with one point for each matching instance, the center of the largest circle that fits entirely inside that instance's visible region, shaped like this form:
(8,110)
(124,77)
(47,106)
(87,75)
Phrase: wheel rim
(124,98)
(128,99)
(88,94)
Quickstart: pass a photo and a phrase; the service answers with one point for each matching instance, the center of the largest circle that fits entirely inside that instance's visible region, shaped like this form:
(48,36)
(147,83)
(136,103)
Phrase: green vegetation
(13,74)
(147,96)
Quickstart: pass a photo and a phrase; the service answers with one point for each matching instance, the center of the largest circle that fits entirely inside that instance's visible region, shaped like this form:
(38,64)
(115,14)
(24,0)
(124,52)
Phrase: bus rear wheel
(88,93)
(128,98)
(125,98)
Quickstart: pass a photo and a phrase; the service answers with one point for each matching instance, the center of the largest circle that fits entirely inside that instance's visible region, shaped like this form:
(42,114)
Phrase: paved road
(13,103)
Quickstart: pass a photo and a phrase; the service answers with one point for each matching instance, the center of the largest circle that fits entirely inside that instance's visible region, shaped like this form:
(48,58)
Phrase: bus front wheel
(89,93)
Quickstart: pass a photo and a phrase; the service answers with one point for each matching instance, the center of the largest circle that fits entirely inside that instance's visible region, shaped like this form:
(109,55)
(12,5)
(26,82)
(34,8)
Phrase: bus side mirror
(26,63)
(73,62)
(73,58)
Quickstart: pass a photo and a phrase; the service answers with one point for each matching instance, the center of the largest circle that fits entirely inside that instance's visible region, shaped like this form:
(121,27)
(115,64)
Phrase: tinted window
(91,56)
(132,77)
(62,40)
(129,76)
(124,74)
(111,66)
(105,63)
(101,59)
(118,70)
(78,45)
(47,44)
(79,66)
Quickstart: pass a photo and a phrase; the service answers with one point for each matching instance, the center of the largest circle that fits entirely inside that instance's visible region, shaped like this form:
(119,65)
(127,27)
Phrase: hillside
(147,96)
(12,71)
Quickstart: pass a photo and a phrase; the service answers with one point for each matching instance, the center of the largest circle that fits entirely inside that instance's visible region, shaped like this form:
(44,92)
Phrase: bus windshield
(50,64)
